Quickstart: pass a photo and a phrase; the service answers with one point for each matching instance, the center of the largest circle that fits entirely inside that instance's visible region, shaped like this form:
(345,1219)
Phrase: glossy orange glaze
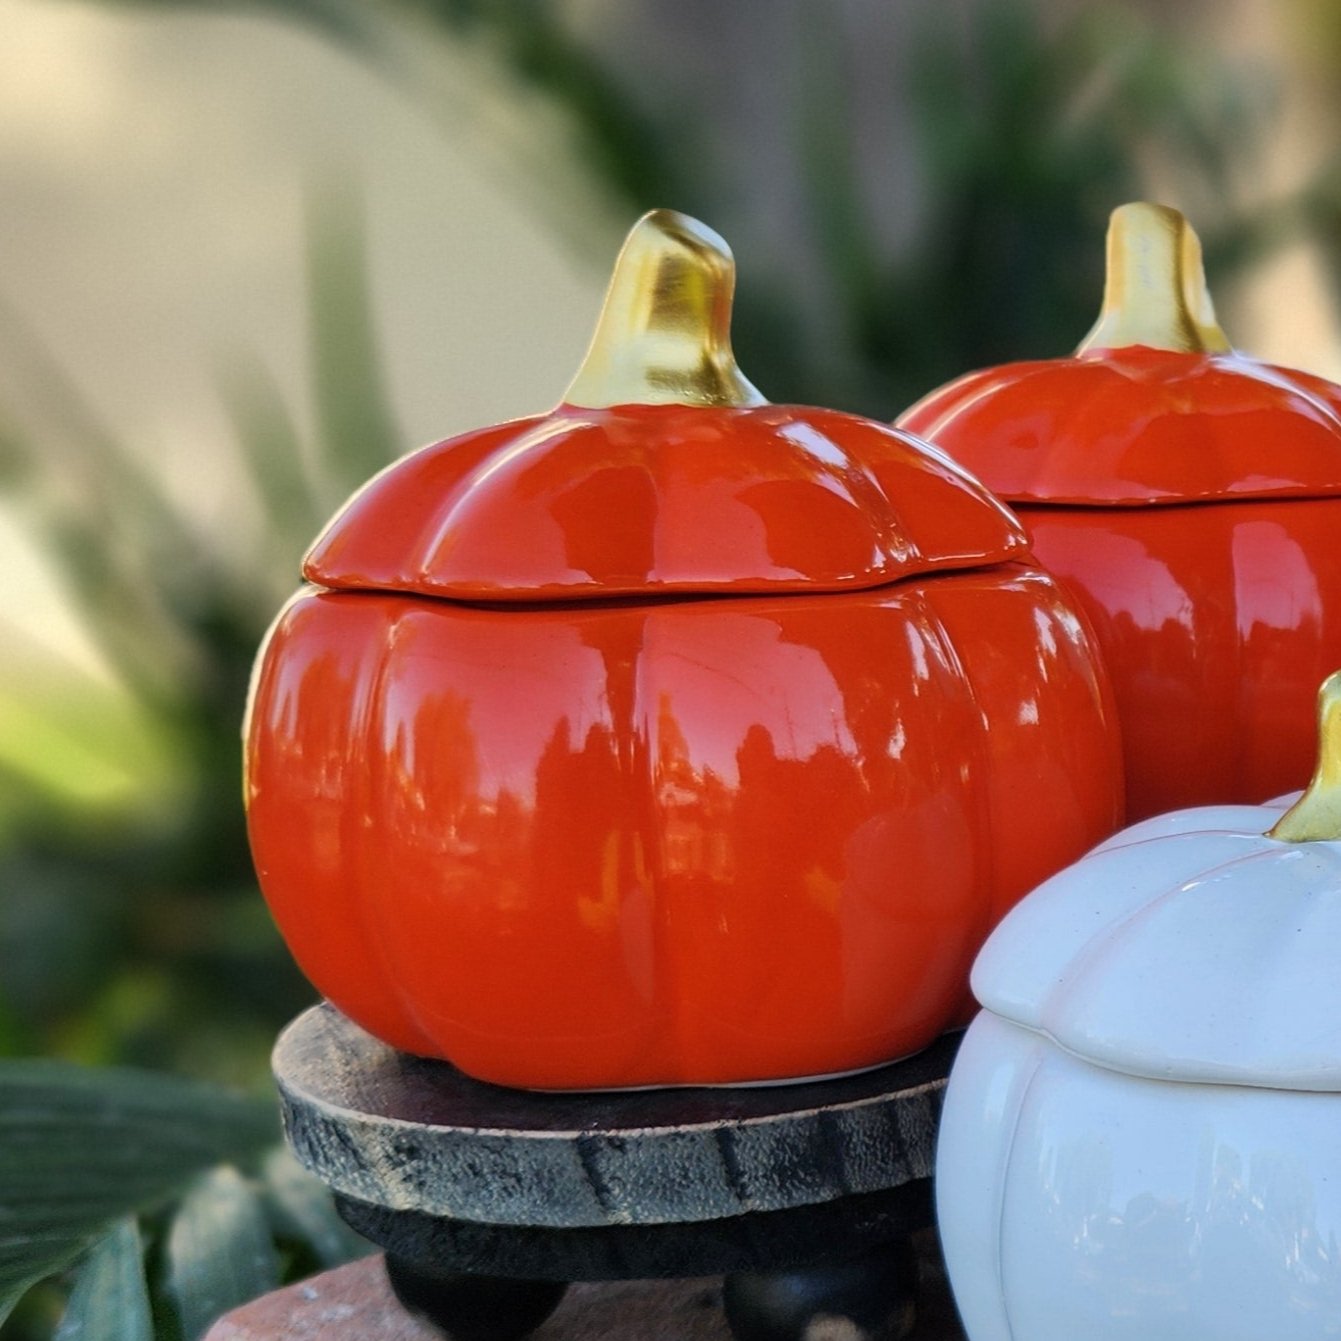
(1217,624)
(1200,528)
(671,737)
(686,841)
(663,500)
(1134,426)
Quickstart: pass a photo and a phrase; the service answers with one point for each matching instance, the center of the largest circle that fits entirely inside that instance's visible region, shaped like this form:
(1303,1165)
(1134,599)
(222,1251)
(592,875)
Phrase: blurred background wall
(155,169)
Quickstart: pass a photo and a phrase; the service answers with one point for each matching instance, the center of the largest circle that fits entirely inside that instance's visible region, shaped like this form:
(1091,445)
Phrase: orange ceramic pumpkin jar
(673,736)
(1190,497)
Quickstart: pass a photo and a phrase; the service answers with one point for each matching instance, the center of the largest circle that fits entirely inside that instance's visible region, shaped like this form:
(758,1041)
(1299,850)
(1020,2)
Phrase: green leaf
(110,1300)
(301,1208)
(81,1148)
(219,1251)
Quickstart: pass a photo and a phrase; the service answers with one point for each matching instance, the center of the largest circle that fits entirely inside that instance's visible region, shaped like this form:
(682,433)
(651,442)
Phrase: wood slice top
(411,1134)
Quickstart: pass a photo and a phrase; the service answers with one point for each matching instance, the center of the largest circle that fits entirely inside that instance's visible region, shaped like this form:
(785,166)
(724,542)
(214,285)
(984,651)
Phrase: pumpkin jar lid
(1193,946)
(1154,407)
(663,472)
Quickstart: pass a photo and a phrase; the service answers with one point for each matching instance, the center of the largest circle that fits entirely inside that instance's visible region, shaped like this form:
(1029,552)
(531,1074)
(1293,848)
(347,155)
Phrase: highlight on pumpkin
(664,333)
(1155,290)
(1316,816)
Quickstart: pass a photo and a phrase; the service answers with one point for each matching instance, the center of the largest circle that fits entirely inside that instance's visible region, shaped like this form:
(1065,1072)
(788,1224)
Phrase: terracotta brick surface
(355,1303)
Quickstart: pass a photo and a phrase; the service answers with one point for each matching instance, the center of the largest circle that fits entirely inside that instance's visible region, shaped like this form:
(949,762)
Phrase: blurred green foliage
(134,932)
(132,929)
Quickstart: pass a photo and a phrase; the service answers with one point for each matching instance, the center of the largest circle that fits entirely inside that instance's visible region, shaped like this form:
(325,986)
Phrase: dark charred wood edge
(418,1136)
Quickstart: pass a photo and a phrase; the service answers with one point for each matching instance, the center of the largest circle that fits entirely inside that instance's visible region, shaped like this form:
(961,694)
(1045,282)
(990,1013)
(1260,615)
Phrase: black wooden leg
(875,1294)
(473,1308)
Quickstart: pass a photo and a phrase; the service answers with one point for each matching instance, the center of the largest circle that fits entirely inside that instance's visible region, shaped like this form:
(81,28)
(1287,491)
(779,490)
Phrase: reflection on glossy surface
(1217,626)
(1196,946)
(1079,1202)
(1216,622)
(689,740)
(1155,290)
(1316,816)
(665,473)
(1132,426)
(663,500)
(1155,406)
(664,334)
(1142,1132)
(687,841)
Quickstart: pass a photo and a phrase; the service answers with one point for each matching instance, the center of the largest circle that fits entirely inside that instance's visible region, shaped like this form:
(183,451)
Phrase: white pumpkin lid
(1195,946)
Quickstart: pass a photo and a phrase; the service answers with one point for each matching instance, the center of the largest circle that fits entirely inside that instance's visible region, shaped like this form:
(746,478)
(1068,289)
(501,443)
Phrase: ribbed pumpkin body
(660,745)
(696,841)
(1192,504)
(1142,1130)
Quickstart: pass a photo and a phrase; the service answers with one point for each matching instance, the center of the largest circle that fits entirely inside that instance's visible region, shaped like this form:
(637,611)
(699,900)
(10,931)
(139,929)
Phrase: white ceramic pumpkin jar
(1142,1131)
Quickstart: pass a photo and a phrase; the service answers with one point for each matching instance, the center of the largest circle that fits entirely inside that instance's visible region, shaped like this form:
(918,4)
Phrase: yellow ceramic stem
(664,334)
(1155,292)
(1317,814)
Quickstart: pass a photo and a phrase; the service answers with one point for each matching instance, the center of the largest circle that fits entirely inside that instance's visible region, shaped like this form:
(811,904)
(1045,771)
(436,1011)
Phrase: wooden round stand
(488,1201)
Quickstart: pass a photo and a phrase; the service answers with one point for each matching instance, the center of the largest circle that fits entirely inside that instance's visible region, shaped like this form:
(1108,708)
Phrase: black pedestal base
(874,1296)
(831,1232)
(474,1308)
(784,1270)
